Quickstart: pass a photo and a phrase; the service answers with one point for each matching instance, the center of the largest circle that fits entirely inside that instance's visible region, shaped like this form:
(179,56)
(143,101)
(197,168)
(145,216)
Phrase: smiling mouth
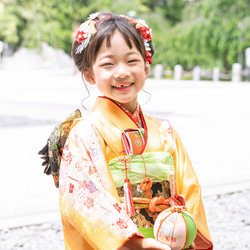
(122,86)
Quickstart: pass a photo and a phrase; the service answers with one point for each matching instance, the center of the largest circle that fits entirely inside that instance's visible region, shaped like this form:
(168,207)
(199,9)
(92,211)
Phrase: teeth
(122,86)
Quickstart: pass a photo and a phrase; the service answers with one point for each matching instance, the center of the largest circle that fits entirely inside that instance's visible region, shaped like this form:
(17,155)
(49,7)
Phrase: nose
(121,71)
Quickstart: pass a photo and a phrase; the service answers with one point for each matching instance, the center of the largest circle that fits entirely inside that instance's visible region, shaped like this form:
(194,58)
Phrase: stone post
(177,72)
(158,71)
(236,72)
(1,50)
(197,73)
(216,74)
(247,53)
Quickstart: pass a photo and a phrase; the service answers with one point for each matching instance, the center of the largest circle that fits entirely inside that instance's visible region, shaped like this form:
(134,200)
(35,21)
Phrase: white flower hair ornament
(87,30)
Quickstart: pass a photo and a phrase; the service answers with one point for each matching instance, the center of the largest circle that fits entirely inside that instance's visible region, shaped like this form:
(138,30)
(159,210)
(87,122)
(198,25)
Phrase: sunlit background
(199,80)
(201,33)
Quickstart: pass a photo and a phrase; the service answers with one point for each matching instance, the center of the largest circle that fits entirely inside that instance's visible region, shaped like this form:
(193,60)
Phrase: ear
(147,69)
(89,76)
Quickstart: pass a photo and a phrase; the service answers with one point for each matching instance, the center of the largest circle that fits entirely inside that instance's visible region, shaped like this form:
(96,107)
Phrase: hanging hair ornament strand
(146,35)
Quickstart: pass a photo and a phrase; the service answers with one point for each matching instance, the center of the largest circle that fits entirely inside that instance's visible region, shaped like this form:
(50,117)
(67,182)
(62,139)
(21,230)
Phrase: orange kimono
(91,175)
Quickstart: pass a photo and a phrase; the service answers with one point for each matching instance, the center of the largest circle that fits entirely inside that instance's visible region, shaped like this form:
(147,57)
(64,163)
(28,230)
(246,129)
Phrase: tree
(207,33)
(172,10)
(216,29)
(8,23)
(25,23)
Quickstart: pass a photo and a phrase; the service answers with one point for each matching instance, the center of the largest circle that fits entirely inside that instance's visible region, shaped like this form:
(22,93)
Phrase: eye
(107,64)
(133,61)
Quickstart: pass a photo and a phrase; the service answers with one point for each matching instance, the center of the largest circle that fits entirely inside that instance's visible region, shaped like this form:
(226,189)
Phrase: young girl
(116,159)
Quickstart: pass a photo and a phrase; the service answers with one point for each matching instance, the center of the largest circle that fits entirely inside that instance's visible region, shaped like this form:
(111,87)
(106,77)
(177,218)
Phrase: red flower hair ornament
(147,37)
(87,30)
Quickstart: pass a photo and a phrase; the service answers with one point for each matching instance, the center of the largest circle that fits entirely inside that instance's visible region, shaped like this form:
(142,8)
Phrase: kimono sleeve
(187,185)
(88,198)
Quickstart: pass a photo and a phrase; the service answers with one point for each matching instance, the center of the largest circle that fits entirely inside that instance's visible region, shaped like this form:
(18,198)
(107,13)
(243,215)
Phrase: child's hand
(138,243)
(152,244)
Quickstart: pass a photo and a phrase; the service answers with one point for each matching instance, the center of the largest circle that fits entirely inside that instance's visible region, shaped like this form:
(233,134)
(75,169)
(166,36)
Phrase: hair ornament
(146,34)
(85,32)
(144,29)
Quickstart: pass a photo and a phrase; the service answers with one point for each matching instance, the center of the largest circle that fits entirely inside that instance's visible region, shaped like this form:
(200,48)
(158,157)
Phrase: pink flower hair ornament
(87,30)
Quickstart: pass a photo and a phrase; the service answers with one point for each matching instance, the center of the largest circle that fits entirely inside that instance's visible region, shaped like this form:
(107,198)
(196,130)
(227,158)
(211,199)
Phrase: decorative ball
(175,227)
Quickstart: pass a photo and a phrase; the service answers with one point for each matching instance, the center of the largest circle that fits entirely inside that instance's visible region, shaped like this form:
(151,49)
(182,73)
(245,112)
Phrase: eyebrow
(112,55)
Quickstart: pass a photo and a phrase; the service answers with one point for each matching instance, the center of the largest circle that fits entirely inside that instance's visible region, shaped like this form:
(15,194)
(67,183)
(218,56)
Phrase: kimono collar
(106,112)
(135,116)
(113,112)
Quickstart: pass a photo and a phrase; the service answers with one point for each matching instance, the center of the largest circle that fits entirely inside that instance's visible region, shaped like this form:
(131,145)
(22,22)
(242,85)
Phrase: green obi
(158,167)
(147,232)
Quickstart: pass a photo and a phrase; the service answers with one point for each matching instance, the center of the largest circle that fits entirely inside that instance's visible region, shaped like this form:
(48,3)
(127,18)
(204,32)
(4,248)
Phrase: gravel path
(229,220)
(227,215)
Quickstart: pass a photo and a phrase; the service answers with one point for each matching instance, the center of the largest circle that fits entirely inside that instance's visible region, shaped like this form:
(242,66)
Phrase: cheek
(103,74)
(141,72)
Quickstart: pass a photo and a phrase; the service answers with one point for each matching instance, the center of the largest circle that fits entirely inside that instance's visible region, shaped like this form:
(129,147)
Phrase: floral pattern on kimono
(92,215)
(85,197)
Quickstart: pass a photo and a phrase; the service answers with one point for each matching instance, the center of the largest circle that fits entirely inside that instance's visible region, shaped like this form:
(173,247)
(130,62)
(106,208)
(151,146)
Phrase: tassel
(128,198)
(172,183)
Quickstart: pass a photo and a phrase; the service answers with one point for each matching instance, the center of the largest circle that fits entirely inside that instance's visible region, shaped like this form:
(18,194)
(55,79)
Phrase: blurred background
(209,34)
(199,80)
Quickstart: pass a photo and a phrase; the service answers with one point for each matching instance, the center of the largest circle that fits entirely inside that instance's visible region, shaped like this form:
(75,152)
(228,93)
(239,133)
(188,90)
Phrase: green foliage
(8,24)
(171,10)
(207,33)
(217,29)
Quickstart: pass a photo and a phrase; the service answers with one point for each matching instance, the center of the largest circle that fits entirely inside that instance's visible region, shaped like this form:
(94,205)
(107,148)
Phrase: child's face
(119,72)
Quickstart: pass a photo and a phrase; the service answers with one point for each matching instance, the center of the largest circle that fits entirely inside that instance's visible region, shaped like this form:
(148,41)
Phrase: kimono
(92,174)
